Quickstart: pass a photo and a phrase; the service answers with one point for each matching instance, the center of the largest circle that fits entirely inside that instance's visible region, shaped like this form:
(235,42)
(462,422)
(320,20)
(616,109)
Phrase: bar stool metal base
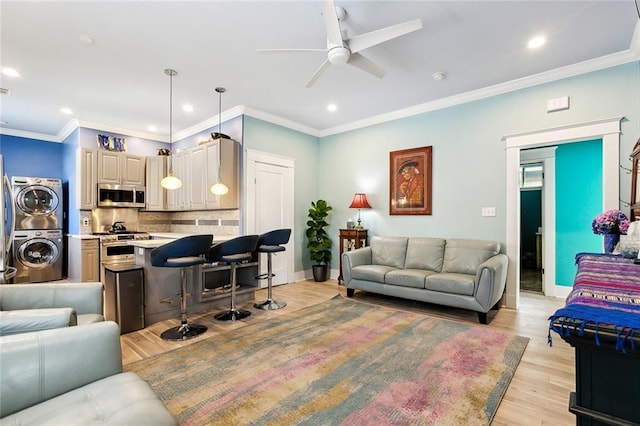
(270,305)
(183,332)
(232,315)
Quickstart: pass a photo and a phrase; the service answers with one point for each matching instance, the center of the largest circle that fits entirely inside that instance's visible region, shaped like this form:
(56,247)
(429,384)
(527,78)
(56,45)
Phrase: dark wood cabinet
(352,239)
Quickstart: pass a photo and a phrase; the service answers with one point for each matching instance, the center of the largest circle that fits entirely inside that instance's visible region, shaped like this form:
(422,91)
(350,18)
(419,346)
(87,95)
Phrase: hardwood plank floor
(537,395)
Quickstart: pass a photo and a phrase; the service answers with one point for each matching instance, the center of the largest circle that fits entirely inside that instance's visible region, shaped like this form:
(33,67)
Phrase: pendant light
(170,181)
(219,188)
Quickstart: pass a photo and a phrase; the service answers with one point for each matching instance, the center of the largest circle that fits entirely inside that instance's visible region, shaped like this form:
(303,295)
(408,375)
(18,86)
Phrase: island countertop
(157,242)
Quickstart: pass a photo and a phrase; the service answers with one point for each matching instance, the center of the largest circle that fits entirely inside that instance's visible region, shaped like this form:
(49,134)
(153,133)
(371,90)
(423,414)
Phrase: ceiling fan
(341,50)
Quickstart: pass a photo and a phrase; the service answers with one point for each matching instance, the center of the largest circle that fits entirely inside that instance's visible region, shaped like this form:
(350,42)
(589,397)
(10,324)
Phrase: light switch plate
(488,211)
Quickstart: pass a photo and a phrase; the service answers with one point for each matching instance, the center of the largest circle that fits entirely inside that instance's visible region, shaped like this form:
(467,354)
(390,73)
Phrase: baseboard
(562,291)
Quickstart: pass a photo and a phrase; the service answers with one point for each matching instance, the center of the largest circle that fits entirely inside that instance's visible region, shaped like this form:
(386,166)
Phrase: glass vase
(610,242)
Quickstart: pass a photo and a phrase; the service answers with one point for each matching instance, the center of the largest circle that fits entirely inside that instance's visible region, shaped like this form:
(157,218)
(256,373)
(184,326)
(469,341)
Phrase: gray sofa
(73,376)
(36,307)
(462,273)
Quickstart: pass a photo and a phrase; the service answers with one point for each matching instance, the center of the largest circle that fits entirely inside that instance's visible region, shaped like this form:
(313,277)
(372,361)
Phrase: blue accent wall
(578,201)
(31,157)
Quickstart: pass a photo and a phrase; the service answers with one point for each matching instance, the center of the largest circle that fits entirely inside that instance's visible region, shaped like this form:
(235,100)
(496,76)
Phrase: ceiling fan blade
(331,24)
(363,41)
(316,74)
(357,60)
(290,50)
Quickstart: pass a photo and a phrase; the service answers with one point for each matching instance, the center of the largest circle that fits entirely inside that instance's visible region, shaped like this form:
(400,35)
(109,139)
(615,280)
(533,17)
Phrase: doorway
(531,187)
(609,132)
(270,205)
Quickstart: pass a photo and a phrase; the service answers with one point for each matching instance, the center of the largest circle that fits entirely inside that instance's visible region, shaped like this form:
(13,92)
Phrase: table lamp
(359,202)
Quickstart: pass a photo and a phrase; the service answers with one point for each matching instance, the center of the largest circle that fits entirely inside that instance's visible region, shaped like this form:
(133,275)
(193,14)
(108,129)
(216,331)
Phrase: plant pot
(320,273)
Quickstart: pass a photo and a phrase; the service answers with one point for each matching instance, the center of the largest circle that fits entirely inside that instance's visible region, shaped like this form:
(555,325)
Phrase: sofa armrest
(85,298)
(491,279)
(29,320)
(353,258)
(38,366)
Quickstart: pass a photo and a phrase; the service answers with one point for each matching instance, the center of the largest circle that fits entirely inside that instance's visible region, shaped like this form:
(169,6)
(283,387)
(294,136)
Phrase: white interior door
(270,206)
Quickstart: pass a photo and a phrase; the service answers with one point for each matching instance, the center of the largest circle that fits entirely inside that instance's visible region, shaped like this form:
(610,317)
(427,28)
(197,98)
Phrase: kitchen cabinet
(197,168)
(228,151)
(86,179)
(198,178)
(84,263)
(156,169)
(121,168)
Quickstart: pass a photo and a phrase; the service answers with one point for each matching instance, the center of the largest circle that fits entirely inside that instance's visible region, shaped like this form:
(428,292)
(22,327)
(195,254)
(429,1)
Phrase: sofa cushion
(388,251)
(407,277)
(425,253)
(120,399)
(375,273)
(464,256)
(451,283)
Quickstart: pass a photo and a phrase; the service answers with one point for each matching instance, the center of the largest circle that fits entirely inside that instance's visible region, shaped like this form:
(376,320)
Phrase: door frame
(608,130)
(252,157)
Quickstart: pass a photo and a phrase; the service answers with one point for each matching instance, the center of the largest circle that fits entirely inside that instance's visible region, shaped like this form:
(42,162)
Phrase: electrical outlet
(85,221)
(488,211)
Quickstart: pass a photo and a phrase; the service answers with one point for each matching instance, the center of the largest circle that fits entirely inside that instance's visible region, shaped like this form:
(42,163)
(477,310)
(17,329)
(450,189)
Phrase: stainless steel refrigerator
(8,227)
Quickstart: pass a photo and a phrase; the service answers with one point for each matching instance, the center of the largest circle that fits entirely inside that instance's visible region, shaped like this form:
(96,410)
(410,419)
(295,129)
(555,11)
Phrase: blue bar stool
(182,253)
(233,251)
(271,242)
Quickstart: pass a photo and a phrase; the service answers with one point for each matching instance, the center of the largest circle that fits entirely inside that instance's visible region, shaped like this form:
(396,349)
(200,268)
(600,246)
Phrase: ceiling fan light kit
(342,50)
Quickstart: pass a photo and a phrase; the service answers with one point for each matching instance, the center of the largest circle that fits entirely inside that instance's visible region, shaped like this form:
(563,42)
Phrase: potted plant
(319,243)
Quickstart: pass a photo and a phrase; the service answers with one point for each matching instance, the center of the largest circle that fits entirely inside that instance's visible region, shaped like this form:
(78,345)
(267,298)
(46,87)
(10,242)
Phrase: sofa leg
(496,307)
(482,317)
(350,292)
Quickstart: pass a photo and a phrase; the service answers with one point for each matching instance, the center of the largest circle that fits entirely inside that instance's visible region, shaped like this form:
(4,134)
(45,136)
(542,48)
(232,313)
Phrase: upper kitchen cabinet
(121,168)
(156,169)
(228,151)
(86,178)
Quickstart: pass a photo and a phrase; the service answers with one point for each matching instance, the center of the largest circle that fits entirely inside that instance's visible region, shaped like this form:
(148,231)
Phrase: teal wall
(578,201)
(262,136)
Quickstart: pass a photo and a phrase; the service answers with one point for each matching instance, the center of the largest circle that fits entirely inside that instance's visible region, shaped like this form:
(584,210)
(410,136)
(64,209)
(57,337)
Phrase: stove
(122,236)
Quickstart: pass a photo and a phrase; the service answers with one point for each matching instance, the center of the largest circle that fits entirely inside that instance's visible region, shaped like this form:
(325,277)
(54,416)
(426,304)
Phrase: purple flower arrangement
(610,222)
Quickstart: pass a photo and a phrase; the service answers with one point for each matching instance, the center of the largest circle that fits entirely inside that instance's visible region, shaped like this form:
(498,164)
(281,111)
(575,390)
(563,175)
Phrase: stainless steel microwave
(110,195)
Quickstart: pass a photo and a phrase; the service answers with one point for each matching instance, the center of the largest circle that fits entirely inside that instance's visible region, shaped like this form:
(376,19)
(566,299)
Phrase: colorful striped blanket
(606,293)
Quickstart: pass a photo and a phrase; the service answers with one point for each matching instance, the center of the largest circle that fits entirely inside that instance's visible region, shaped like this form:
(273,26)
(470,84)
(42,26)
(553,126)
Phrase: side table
(354,239)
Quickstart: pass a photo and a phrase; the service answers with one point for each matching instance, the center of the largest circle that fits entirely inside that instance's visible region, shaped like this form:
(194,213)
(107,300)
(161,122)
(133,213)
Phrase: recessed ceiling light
(66,111)
(84,38)
(187,108)
(439,75)
(152,128)
(10,72)
(536,42)
(332,107)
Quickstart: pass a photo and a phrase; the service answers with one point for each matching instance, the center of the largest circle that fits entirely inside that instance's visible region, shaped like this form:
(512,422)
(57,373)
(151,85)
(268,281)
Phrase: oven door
(113,253)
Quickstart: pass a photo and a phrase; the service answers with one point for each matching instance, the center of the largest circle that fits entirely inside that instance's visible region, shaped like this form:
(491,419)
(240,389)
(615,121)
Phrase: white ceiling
(118,81)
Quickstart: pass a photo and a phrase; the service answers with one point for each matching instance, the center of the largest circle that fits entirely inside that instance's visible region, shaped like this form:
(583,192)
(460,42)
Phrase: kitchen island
(208,284)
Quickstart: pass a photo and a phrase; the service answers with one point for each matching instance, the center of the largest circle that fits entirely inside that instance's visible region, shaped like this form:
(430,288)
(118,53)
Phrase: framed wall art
(410,181)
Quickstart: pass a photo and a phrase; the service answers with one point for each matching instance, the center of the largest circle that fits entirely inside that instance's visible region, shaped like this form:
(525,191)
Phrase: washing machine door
(38,253)
(37,200)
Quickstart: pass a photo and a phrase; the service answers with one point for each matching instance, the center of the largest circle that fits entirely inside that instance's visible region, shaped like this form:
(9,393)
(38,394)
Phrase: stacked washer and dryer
(37,245)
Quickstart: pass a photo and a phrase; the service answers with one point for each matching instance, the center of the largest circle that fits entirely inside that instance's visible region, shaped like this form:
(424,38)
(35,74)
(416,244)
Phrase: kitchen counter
(83,236)
(205,283)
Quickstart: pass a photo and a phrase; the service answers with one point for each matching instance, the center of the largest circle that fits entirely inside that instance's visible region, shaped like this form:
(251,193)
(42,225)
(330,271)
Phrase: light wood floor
(537,395)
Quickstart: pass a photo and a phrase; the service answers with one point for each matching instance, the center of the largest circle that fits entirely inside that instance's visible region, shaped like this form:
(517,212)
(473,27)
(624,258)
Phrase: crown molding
(498,89)
(608,61)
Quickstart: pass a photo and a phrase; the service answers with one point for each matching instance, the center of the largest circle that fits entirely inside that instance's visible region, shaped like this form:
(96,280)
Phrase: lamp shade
(360,202)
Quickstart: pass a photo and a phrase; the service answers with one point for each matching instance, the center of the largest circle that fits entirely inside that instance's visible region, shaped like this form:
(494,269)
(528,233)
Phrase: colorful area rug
(339,362)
